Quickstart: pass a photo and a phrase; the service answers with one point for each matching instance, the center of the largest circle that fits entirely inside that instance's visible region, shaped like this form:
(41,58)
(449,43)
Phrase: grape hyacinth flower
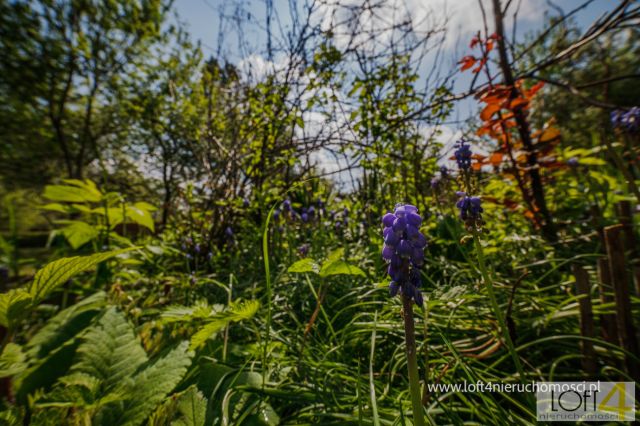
(444,172)
(470,210)
(228,232)
(463,155)
(303,250)
(628,121)
(245,202)
(435,182)
(573,162)
(404,251)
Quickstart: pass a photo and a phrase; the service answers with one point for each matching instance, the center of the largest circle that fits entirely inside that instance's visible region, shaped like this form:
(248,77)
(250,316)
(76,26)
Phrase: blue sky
(202,18)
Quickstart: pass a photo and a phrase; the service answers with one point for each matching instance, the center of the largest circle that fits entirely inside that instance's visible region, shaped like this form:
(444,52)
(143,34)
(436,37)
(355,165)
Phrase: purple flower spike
(470,210)
(627,121)
(463,155)
(393,288)
(400,224)
(387,252)
(414,219)
(387,219)
(404,251)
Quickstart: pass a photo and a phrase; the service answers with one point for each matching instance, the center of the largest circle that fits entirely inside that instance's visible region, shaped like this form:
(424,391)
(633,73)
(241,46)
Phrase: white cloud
(377,22)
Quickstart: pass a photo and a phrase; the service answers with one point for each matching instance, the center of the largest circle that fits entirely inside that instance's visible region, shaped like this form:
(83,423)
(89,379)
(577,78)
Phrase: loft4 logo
(622,407)
(586,401)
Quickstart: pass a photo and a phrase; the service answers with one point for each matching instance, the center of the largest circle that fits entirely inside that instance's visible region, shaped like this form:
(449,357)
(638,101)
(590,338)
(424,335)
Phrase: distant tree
(64,64)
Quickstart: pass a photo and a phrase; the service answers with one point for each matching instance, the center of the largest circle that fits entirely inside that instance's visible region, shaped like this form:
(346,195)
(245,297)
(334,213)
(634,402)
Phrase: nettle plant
(94,215)
(88,364)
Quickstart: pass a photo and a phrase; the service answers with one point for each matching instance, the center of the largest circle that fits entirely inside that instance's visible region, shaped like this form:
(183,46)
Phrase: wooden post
(607,321)
(624,320)
(583,290)
(623,210)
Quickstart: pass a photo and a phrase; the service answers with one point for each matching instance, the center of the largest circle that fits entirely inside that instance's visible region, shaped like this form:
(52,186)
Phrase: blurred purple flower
(303,250)
(573,162)
(470,208)
(628,121)
(463,155)
(435,182)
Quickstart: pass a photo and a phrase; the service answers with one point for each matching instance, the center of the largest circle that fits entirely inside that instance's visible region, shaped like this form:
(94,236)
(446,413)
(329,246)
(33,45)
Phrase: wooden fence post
(624,319)
(583,290)
(607,321)
(625,215)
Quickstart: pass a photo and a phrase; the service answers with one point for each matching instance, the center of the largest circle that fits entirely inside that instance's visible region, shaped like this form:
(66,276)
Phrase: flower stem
(496,308)
(412,361)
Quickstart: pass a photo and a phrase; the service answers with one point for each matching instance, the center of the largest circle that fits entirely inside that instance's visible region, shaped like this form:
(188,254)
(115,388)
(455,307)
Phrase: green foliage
(189,408)
(217,319)
(333,265)
(56,273)
(15,303)
(210,319)
(102,212)
(112,380)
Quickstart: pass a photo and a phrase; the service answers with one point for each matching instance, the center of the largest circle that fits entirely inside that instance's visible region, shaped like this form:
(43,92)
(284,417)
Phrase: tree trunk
(537,188)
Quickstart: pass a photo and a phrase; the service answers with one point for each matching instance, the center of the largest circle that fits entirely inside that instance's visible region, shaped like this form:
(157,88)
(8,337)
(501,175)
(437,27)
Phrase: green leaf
(334,256)
(304,265)
(140,214)
(236,312)
(79,233)
(66,325)
(76,191)
(56,207)
(192,405)
(149,388)
(12,360)
(340,267)
(110,352)
(12,306)
(58,272)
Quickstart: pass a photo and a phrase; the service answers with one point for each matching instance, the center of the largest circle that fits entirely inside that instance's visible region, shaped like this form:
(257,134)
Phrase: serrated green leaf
(304,265)
(13,305)
(149,387)
(58,272)
(110,352)
(192,406)
(236,312)
(12,360)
